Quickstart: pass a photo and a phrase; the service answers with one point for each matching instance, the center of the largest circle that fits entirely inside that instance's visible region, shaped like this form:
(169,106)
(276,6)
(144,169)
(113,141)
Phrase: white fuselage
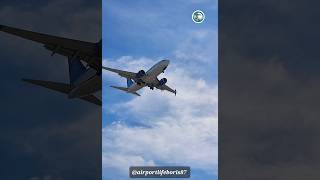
(151,75)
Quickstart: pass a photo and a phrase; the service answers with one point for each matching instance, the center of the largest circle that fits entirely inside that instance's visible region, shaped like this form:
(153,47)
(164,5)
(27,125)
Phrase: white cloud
(123,160)
(199,46)
(129,63)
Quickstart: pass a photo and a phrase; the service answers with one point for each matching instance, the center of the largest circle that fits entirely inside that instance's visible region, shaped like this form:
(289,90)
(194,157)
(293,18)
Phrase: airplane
(84,61)
(136,81)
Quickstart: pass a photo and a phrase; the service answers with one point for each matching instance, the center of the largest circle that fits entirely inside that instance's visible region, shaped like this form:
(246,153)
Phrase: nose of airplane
(166,62)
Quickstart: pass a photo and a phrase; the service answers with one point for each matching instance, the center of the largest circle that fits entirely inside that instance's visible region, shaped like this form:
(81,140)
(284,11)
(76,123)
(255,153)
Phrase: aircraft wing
(125,74)
(167,88)
(66,47)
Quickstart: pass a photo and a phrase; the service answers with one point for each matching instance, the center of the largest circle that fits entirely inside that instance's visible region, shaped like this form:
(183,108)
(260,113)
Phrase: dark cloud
(269,90)
(44,135)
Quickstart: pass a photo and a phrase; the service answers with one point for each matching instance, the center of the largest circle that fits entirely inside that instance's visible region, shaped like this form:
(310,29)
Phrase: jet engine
(163,81)
(140,74)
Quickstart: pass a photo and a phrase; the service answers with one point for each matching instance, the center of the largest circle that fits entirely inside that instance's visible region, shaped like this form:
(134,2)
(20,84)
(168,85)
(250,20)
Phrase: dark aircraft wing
(125,74)
(85,51)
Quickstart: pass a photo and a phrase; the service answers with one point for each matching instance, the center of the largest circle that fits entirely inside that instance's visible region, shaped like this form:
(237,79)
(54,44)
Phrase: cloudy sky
(159,128)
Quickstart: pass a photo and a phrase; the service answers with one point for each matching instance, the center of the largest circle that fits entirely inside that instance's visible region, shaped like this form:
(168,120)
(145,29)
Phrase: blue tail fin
(129,82)
(76,69)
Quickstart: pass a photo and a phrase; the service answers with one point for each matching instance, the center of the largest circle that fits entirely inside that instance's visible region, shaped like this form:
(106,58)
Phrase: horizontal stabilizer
(92,99)
(60,87)
(63,88)
(125,89)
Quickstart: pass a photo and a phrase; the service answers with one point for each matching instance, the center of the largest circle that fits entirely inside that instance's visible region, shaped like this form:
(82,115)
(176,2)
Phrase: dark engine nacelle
(163,81)
(140,74)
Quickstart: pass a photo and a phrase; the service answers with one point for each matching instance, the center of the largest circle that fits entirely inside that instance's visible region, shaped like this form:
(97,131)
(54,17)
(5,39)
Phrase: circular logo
(198,16)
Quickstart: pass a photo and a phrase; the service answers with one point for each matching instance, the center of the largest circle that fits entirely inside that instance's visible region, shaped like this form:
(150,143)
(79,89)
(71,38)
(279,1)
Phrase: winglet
(175,92)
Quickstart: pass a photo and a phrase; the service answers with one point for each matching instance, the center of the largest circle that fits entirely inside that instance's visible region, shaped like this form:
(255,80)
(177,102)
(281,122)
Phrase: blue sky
(159,128)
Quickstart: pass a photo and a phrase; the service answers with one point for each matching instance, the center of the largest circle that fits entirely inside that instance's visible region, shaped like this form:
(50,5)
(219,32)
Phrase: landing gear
(164,69)
(140,83)
(151,88)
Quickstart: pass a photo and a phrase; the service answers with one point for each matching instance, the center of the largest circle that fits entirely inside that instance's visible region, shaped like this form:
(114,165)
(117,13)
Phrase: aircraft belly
(150,79)
(152,74)
(134,88)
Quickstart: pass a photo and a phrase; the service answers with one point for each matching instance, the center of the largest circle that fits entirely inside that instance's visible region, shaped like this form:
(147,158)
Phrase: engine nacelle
(163,81)
(140,74)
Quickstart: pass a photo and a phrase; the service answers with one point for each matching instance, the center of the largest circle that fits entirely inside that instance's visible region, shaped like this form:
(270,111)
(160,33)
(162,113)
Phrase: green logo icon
(198,16)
